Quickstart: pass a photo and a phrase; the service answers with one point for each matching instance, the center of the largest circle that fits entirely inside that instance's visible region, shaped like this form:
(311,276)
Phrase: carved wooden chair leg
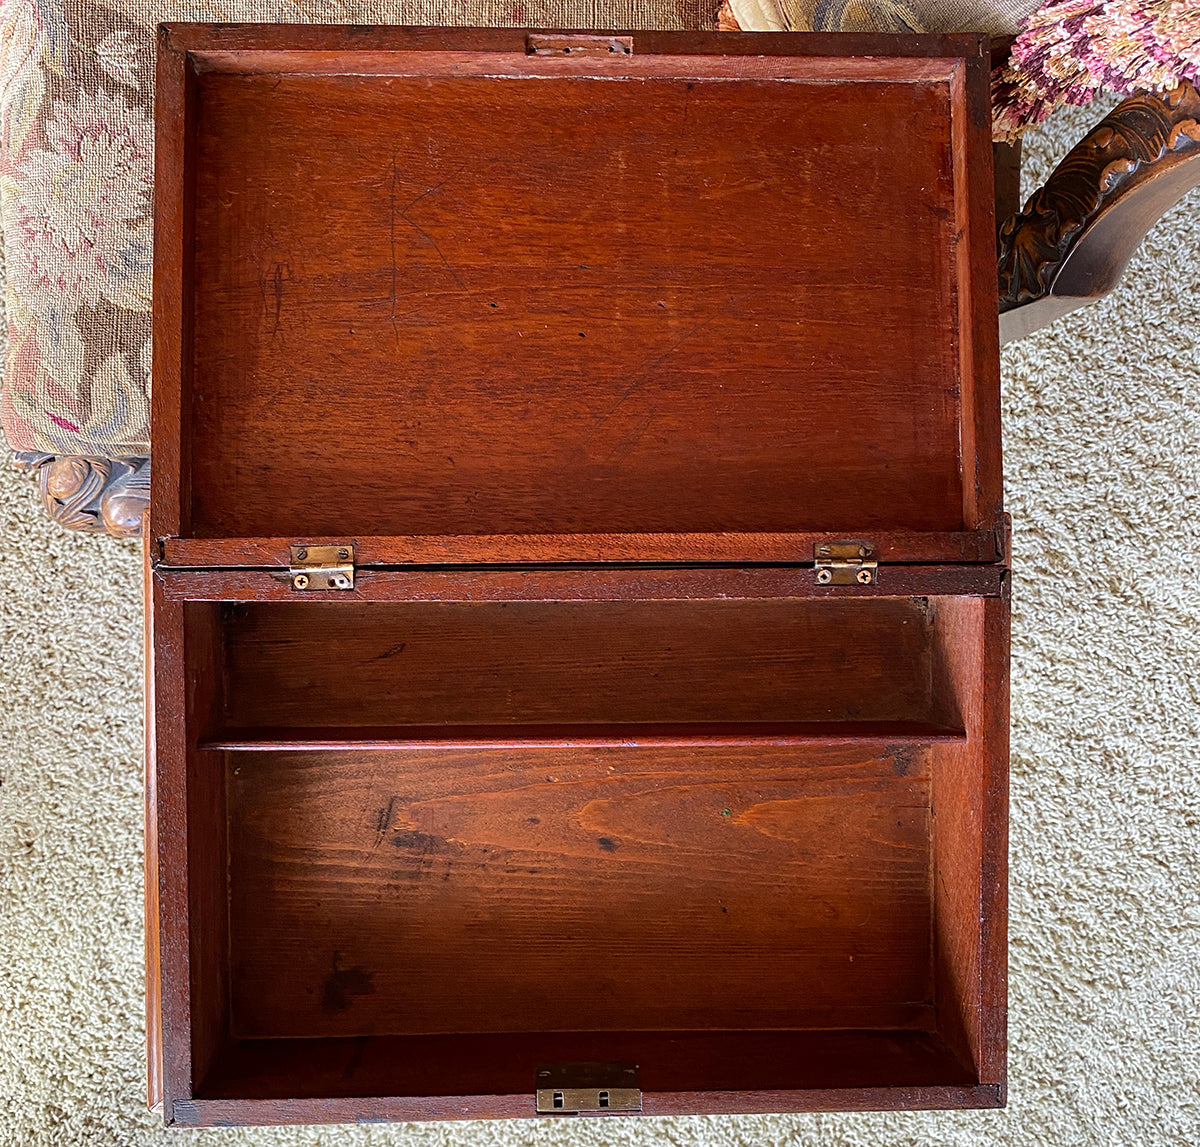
(99,495)
(1071,243)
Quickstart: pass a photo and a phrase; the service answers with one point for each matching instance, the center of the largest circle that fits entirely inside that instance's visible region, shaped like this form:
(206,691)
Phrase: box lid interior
(490,293)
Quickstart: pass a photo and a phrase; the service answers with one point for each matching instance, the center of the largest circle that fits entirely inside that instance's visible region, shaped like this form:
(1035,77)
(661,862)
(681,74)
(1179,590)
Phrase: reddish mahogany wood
(154,1034)
(507,64)
(415,839)
(439,304)
(909,52)
(970,830)
(698,734)
(469,309)
(601,583)
(975,300)
(492,1065)
(588,663)
(174,229)
(169,829)
(889,546)
(207,856)
(316,833)
(491,890)
(270,1112)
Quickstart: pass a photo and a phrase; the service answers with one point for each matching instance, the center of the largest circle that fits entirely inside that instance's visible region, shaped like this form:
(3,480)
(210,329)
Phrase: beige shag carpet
(1102,443)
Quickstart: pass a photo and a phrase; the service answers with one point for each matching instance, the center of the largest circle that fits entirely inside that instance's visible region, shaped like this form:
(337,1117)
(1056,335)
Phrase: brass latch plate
(322,567)
(566,44)
(588,1089)
(845,563)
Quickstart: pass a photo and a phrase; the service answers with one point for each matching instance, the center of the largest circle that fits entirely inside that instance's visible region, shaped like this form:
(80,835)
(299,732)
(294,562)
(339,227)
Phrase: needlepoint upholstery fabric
(76,164)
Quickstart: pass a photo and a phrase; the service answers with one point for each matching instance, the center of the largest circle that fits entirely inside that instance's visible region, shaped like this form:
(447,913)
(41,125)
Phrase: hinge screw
(824,577)
(343,554)
(300,581)
(864,577)
(301,555)
(864,551)
(825,551)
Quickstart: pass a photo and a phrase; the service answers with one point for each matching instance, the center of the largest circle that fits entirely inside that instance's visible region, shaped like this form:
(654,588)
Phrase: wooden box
(577,576)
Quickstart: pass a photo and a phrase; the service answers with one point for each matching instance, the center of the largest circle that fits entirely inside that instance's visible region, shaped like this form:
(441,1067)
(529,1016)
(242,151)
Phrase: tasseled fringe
(1071,49)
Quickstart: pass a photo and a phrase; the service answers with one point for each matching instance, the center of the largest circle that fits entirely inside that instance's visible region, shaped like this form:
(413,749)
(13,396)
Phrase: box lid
(460,294)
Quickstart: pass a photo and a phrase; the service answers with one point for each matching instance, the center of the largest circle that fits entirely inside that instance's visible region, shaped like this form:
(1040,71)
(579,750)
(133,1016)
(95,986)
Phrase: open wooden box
(639,739)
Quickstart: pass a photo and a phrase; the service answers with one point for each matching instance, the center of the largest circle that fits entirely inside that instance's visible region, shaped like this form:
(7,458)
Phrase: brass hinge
(588,1089)
(322,567)
(845,563)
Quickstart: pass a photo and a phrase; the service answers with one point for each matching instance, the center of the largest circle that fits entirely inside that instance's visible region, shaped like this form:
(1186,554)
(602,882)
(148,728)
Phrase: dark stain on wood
(342,984)
(422,842)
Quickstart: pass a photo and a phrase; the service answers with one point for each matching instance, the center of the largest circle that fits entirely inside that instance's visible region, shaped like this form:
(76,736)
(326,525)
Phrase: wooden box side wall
(188,986)
(970,835)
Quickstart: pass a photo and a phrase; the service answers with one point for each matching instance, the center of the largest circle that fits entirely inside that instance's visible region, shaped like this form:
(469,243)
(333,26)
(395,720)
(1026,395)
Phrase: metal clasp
(566,44)
(588,1089)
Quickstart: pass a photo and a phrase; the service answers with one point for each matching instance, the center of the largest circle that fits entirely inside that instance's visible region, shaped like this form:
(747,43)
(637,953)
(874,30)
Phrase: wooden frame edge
(174,94)
(154,1034)
(977,304)
(167,789)
(398,1109)
(182,37)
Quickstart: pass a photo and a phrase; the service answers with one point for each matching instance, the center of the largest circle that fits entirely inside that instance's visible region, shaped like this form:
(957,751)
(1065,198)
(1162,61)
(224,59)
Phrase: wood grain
(596,584)
(709,734)
(975,300)
(174,232)
(1071,242)
(404,1109)
(153,940)
(970,833)
(495,891)
(500,1066)
(974,546)
(510,329)
(169,830)
(910,53)
(207,851)
(95,495)
(528,663)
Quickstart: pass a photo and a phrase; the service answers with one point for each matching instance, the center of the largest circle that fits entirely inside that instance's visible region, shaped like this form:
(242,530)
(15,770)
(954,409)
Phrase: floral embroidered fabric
(77,141)
(76,171)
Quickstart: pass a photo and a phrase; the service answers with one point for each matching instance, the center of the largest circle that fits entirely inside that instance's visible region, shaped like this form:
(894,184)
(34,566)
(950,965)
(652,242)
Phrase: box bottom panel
(471,891)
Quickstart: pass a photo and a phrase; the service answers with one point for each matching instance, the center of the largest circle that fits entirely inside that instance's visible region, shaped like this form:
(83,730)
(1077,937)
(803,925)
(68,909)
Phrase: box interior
(439,918)
(535,306)
(548,667)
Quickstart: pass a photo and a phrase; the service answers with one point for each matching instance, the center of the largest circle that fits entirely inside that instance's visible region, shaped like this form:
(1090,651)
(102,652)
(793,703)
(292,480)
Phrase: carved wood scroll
(98,495)
(1132,158)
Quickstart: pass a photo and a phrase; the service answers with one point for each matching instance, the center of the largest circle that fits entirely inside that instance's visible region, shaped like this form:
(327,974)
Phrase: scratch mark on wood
(403,214)
(687,99)
(395,272)
(391,651)
(279,277)
(381,824)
